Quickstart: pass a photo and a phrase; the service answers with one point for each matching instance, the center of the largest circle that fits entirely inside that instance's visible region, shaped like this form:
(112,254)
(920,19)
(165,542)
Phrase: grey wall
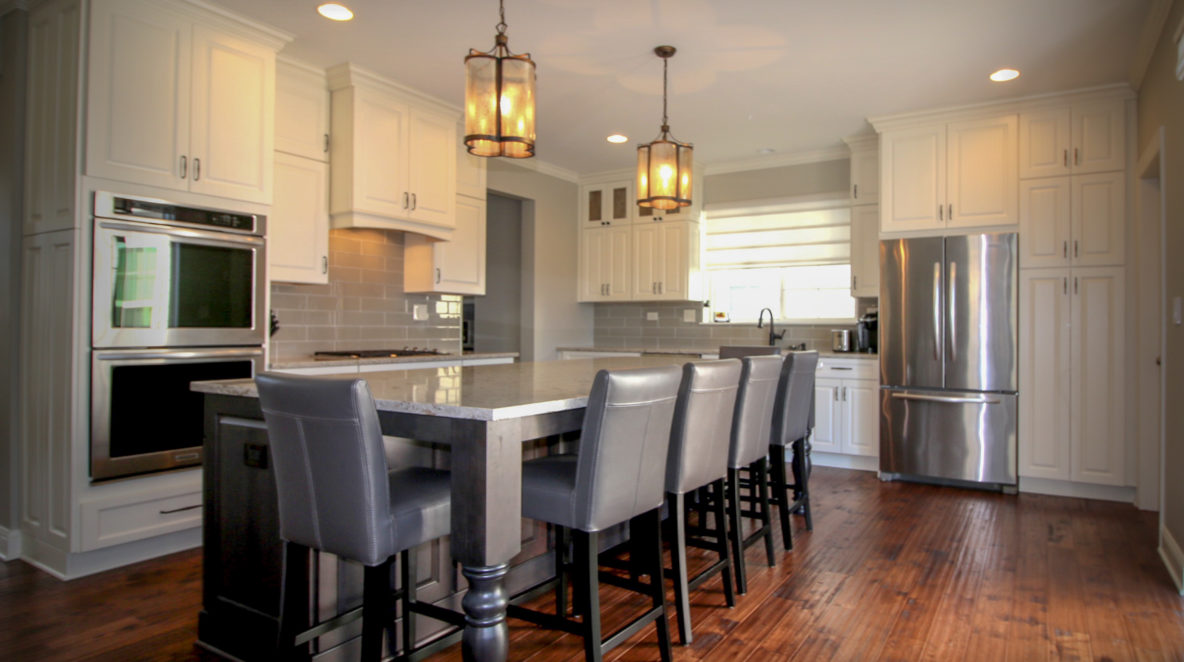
(497,316)
(1161,103)
(363,305)
(13,28)
(551,317)
(773,183)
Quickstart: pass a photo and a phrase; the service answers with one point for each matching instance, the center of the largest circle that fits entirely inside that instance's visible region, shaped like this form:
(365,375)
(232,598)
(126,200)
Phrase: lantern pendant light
(664,165)
(499,99)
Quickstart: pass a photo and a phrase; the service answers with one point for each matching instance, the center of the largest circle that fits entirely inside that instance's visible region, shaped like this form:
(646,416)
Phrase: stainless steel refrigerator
(948,352)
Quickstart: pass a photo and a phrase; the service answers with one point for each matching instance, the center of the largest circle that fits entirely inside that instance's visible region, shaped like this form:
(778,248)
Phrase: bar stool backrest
(753,422)
(622,454)
(330,466)
(702,431)
(793,415)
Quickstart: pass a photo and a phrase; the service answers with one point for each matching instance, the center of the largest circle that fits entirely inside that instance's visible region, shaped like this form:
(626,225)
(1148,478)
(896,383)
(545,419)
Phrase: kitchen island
(482,416)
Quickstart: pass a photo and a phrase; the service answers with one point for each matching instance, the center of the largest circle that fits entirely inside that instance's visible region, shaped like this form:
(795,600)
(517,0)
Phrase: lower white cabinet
(1072,375)
(865,251)
(298,227)
(456,266)
(846,407)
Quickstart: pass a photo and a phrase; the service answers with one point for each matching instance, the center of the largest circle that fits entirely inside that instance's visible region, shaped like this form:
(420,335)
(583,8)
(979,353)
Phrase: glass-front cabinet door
(607,204)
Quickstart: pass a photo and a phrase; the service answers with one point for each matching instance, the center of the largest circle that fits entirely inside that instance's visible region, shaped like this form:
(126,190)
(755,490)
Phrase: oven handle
(213,353)
(204,235)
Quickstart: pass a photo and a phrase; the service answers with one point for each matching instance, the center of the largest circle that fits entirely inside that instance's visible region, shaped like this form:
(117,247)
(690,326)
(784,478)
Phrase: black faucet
(773,337)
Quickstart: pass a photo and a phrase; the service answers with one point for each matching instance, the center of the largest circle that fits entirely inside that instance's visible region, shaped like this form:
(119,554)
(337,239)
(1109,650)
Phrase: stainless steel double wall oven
(178,295)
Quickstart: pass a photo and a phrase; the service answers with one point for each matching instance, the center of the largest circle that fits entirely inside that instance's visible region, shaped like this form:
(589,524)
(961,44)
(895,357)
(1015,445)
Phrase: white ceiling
(787,75)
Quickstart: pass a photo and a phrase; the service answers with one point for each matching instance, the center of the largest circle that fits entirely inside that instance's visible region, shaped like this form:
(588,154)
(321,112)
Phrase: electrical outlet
(688,315)
(651,316)
(419,312)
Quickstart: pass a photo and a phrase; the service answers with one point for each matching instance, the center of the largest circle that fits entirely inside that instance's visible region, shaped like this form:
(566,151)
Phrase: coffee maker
(867,332)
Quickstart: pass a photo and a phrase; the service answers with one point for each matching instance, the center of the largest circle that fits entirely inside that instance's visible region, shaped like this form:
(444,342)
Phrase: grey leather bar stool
(751,430)
(699,443)
(793,418)
(337,495)
(741,351)
(615,477)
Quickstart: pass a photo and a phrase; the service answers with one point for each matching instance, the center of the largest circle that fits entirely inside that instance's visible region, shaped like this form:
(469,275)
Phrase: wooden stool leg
(589,579)
(293,602)
(734,530)
(407,579)
(659,587)
(781,493)
(721,539)
(678,563)
(376,593)
(762,484)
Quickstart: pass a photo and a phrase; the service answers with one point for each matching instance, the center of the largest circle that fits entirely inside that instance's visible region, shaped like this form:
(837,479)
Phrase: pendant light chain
(501,11)
(665,68)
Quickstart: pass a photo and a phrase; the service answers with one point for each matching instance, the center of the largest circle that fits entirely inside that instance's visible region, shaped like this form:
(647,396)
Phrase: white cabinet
(1072,375)
(605,264)
(301,110)
(470,173)
(865,251)
(1073,221)
(178,104)
(665,259)
(955,175)
(1087,137)
(456,266)
(865,169)
(846,407)
(298,227)
(393,155)
(607,204)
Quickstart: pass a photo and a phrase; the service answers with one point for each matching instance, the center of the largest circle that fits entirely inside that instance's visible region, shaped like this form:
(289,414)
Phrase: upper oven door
(157,286)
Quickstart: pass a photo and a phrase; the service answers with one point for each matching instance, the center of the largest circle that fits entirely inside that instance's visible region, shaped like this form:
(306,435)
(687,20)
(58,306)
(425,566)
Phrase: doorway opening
(1150,209)
(493,323)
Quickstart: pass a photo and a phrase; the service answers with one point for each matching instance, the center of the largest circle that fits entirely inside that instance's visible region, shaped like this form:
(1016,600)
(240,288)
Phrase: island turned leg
(486,528)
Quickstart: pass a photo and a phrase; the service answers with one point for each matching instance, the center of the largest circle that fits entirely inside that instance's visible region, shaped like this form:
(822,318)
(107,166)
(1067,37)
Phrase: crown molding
(1153,27)
(545,168)
(833,153)
(347,74)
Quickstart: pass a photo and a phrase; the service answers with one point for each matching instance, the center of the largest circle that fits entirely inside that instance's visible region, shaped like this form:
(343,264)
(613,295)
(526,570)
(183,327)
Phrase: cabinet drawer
(848,368)
(113,521)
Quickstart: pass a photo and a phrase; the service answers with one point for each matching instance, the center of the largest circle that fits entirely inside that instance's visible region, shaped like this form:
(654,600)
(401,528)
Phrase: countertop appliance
(376,353)
(948,353)
(867,333)
(840,340)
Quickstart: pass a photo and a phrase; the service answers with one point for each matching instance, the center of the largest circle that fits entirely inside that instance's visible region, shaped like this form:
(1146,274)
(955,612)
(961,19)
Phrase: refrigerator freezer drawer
(955,435)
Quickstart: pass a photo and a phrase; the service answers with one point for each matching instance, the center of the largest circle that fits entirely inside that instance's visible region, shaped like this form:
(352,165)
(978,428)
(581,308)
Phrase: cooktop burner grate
(377,353)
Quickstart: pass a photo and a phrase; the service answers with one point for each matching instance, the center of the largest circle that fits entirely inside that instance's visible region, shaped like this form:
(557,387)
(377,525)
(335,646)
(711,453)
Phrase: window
(797,263)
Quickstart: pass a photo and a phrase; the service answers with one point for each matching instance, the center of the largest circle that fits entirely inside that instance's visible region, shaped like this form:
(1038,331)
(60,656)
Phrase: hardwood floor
(893,571)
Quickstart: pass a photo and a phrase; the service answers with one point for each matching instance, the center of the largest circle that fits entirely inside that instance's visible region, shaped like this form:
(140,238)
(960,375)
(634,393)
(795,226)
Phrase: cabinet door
(1044,372)
(377,130)
(138,94)
(607,204)
(461,260)
(432,168)
(301,112)
(592,281)
(1044,222)
(913,179)
(470,172)
(981,180)
(1099,215)
(618,263)
(647,260)
(1098,385)
(828,415)
(298,227)
(232,128)
(679,244)
(865,176)
(1099,137)
(865,251)
(1044,143)
(862,418)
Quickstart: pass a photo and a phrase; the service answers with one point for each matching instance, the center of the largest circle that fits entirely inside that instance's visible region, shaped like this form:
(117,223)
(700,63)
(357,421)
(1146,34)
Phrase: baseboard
(74,565)
(1068,488)
(841,461)
(1173,557)
(10,544)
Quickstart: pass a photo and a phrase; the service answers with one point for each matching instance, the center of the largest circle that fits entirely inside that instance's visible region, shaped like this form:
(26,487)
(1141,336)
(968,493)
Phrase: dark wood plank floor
(891,572)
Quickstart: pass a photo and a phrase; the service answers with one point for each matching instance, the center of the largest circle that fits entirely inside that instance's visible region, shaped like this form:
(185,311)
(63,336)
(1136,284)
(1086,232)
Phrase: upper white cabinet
(949,175)
(393,153)
(1073,221)
(298,227)
(607,204)
(1087,137)
(301,110)
(456,266)
(606,264)
(865,251)
(665,261)
(178,102)
(470,173)
(865,169)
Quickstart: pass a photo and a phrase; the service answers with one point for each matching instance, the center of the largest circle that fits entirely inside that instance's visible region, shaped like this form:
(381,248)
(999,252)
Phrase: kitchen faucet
(773,337)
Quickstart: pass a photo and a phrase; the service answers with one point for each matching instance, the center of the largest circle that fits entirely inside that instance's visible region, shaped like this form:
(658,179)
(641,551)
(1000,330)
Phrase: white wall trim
(1068,488)
(1153,27)
(547,168)
(1173,557)
(10,544)
(833,153)
(841,461)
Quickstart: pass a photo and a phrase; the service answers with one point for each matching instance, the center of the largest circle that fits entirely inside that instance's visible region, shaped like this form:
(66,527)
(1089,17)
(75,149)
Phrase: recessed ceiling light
(1004,75)
(766,150)
(335,12)
(617,138)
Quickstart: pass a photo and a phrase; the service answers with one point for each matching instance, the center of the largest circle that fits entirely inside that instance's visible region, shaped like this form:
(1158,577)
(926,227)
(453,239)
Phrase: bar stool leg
(589,578)
(781,493)
(766,520)
(407,579)
(561,541)
(293,601)
(734,530)
(721,539)
(659,587)
(801,480)
(376,592)
(675,504)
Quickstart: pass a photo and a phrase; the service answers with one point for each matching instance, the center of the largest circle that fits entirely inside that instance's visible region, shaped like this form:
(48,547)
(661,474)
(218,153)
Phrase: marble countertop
(310,362)
(690,351)
(483,392)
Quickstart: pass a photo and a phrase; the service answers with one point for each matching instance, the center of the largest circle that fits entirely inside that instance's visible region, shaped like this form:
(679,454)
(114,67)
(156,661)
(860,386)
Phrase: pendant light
(499,99)
(664,165)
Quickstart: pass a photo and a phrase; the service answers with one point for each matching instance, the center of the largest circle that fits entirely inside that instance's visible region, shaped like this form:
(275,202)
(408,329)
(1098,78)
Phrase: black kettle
(867,332)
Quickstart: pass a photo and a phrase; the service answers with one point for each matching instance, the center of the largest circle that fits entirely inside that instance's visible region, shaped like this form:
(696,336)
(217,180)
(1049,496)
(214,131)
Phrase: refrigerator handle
(951,399)
(937,311)
(952,296)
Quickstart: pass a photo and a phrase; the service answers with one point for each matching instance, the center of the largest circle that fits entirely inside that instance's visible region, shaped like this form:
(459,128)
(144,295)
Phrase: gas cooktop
(377,353)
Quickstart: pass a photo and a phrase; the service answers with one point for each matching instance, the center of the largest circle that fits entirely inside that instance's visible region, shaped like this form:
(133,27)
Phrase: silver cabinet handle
(1076,156)
(326,143)
(196,169)
(953,306)
(414,202)
(937,311)
(841,368)
(1065,285)
(951,399)
(855,191)
(1075,251)
(1075,285)
(941,210)
(184,166)
(659,287)
(181,509)
(844,394)
(437,275)
(324,264)
(836,394)
(1066,158)
(406,199)
(854,282)
(1065,249)
(950,216)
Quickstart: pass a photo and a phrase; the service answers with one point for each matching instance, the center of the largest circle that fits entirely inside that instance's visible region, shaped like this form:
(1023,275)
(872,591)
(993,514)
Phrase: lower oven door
(143,416)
